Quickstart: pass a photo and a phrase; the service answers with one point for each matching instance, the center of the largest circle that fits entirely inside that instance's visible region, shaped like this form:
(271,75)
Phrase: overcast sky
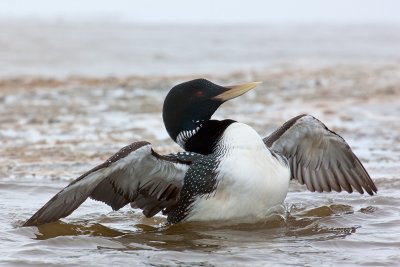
(209,11)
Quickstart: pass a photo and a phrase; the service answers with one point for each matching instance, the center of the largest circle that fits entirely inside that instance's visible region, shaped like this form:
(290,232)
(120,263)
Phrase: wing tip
(30,223)
(33,221)
(372,191)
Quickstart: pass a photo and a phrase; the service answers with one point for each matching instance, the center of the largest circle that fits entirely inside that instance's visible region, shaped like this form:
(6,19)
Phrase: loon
(226,171)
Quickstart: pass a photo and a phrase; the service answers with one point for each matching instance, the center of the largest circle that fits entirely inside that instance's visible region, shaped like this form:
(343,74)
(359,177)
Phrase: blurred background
(98,38)
(81,79)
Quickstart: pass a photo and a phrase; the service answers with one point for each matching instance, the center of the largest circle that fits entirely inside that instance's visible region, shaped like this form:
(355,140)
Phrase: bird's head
(188,105)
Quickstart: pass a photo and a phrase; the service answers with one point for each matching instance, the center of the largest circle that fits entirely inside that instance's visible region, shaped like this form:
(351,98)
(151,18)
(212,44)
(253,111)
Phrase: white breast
(250,179)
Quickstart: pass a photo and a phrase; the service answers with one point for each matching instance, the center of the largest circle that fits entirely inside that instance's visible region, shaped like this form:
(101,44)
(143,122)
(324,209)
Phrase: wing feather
(319,158)
(135,174)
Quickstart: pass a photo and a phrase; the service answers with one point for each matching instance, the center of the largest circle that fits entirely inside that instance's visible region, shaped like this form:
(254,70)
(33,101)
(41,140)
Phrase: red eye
(199,93)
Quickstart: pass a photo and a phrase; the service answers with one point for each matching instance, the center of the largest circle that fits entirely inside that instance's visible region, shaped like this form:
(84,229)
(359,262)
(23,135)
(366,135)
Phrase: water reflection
(60,228)
(313,224)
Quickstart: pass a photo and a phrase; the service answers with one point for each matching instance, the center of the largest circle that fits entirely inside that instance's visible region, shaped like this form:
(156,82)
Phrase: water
(54,127)
(60,48)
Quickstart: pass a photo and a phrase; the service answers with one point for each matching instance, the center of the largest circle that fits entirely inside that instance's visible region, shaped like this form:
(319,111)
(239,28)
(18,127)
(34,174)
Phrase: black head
(191,103)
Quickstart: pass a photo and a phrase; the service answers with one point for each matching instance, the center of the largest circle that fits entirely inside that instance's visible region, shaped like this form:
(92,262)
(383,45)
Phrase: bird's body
(227,172)
(249,179)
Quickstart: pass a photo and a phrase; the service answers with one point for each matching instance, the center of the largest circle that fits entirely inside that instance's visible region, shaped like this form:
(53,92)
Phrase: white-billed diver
(227,171)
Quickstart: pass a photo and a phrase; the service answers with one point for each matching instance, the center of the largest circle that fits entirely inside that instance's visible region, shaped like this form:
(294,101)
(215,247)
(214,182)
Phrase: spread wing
(136,174)
(319,158)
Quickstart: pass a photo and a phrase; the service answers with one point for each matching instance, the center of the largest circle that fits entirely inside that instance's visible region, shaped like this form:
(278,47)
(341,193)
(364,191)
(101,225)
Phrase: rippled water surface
(52,130)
